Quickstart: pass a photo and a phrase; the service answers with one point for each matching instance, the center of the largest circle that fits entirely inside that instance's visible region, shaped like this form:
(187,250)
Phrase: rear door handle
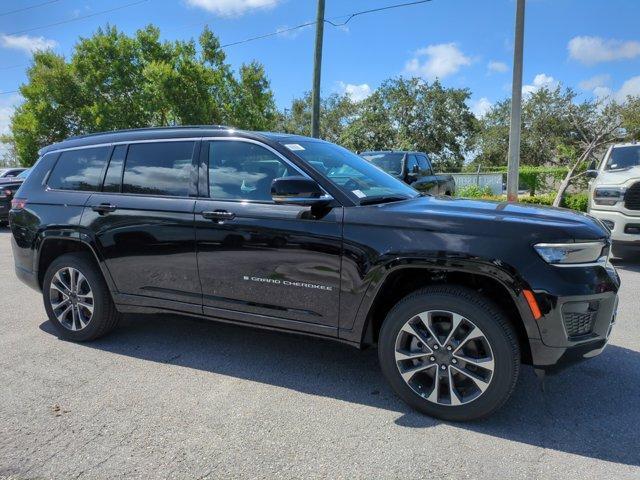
(104,208)
(219,215)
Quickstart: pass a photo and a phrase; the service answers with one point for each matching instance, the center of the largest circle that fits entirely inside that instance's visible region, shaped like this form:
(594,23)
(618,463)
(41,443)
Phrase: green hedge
(576,201)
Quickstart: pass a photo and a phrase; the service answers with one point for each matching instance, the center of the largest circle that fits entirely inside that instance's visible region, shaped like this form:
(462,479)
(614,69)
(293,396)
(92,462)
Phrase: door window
(158,168)
(113,178)
(243,171)
(425,165)
(79,169)
(412,164)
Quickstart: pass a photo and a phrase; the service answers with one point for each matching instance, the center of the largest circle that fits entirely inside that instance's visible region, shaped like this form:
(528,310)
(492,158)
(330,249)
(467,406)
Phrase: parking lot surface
(166,397)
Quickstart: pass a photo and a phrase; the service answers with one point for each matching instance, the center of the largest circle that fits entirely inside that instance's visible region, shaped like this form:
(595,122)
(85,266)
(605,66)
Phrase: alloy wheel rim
(444,357)
(71,298)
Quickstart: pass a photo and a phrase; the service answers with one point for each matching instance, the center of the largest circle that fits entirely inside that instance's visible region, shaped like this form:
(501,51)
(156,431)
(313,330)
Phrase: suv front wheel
(449,353)
(77,299)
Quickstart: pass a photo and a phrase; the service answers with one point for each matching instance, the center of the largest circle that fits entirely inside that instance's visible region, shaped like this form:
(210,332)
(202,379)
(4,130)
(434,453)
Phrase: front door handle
(219,215)
(104,208)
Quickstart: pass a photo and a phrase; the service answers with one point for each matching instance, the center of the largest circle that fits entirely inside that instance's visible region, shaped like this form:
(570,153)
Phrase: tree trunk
(567,179)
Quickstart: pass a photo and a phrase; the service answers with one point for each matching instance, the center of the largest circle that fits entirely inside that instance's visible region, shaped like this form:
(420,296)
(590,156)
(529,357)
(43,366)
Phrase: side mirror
(298,191)
(591,173)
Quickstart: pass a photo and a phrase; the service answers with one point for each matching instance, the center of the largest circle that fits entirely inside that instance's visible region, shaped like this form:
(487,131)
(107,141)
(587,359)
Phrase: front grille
(578,323)
(632,197)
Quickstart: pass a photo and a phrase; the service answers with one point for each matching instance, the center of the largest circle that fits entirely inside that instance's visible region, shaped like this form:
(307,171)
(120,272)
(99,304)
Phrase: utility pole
(516,107)
(317,68)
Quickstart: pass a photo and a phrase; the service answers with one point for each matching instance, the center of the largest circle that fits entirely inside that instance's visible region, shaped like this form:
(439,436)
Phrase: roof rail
(146,129)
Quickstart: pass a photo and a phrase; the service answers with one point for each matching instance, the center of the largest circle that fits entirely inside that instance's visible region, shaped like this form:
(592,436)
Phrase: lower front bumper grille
(578,318)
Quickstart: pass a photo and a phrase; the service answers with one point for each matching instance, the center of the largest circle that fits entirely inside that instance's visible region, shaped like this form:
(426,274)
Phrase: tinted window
(412,164)
(243,171)
(158,168)
(79,169)
(113,178)
(425,164)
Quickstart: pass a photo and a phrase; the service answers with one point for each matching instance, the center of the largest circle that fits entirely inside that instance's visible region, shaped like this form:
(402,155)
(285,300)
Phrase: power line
(373,10)
(138,2)
(8,92)
(327,20)
(42,4)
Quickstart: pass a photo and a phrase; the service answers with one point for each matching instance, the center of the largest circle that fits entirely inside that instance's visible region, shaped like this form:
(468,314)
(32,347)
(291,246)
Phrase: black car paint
(161,254)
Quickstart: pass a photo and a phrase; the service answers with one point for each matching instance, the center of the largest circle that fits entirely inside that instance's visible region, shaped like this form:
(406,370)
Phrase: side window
(158,168)
(412,164)
(79,169)
(113,178)
(243,171)
(425,165)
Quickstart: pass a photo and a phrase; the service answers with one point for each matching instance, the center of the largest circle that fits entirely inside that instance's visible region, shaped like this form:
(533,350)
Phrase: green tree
(430,118)
(115,81)
(631,118)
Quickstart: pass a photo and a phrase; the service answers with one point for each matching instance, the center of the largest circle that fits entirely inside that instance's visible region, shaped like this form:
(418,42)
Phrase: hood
(617,177)
(491,219)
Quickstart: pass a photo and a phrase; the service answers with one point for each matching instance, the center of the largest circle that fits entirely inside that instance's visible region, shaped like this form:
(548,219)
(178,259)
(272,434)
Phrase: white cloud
(27,43)
(441,60)
(592,50)
(629,88)
(497,67)
(541,80)
(285,31)
(355,92)
(232,8)
(595,82)
(480,107)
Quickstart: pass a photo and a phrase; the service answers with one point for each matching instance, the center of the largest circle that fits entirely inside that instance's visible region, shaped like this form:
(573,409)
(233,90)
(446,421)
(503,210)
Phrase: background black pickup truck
(413,168)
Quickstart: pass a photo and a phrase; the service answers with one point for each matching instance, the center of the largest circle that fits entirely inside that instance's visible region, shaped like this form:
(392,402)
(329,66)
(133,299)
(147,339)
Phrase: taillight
(18,203)
(7,192)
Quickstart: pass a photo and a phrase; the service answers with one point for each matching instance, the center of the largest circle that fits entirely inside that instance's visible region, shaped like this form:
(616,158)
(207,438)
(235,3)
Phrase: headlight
(608,195)
(571,253)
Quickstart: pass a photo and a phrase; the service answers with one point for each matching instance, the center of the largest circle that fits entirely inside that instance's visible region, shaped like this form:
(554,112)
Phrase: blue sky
(591,45)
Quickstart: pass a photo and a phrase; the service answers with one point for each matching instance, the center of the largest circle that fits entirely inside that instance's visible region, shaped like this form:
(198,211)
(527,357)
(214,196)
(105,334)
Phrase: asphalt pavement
(167,397)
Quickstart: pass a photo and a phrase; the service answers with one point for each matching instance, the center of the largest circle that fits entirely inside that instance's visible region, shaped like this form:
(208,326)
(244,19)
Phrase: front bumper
(625,228)
(575,327)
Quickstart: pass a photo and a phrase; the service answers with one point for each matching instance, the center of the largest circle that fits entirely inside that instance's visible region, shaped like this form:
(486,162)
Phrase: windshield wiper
(383,199)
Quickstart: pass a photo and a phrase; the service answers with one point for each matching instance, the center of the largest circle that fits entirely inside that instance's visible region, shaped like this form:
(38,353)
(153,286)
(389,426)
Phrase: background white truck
(614,196)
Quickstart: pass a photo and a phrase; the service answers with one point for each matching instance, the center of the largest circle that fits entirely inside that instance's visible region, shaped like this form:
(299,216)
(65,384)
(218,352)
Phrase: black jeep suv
(297,234)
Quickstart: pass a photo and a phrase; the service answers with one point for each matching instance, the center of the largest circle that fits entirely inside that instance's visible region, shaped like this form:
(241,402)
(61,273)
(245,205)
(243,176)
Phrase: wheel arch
(55,242)
(504,288)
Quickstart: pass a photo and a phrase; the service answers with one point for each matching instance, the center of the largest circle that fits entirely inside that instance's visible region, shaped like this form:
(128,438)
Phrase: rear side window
(79,169)
(158,168)
(113,177)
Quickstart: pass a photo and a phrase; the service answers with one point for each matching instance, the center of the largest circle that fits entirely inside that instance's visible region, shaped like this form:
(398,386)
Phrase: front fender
(505,275)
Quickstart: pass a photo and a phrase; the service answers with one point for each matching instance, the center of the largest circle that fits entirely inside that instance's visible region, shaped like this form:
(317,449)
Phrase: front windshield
(623,157)
(349,172)
(389,162)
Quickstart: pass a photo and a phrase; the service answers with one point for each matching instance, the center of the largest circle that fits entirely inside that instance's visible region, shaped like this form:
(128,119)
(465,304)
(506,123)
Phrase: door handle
(104,208)
(219,215)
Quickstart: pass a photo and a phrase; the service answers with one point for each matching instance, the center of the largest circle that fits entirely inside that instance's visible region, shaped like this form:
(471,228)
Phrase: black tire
(105,316)
(481,312)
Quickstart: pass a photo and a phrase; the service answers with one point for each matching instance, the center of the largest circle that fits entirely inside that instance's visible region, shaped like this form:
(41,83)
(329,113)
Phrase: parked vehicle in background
(413,168)
(8,188)
(11,172)
(300,235)
(614,196)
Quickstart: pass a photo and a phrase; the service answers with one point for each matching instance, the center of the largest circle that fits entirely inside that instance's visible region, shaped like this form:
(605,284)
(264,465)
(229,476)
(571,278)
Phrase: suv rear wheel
(77,299)
(449,353)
